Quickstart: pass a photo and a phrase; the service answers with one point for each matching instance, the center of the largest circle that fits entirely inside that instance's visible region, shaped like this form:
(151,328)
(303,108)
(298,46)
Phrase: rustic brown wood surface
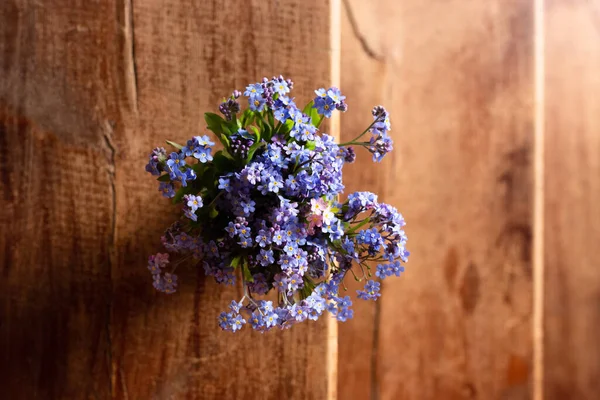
(457,79)
(572,200)
(86,90)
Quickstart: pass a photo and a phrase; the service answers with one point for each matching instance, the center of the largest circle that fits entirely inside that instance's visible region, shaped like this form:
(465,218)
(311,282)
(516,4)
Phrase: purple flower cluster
(380,143)
(163,282)
(265,211)
(230,106)
(329,100)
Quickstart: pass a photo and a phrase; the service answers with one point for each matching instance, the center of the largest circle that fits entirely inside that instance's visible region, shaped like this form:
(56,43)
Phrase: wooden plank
(55,218)
(86,90)
(457,80)
(187,56)
(572,196)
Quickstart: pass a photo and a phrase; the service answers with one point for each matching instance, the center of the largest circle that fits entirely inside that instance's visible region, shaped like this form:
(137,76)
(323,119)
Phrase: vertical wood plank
(459,89)
(55,207)
(188,55)
(572,198)
(86,90)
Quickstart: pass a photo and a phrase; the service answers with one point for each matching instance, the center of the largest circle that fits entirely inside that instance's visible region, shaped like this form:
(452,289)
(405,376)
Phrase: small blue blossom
(264,238)
(225,184)
(235,306)
(324,106)
(266,257)
(248,207)
(370,292)
(254,90)
(298,312)
(225,320)
(167,189)
(271,319)
(175,162)
(321,92)
(335,95)
(158,261)
(237,322)
(257,321)
(379,146)
(190,214)
(193,202)
(281,88)
(275,184)
(383,271)
(256,104)
(245,241)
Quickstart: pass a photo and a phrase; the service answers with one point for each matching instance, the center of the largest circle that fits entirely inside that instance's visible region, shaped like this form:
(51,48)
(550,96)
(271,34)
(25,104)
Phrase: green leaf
(236,261)
(228,155)
(319,119)
(253,149)
(225,129)
(308,287)
(267,131)
(212,212)
(308,107)
(271,119)
(176,145)
(247,118)
(229,127)
(214,121)
(310,145)
(207,181)
(287,127)
(164,178)
(255,130)
(223,161)
(247,274)
(315,117)
(199,169)
(224,140)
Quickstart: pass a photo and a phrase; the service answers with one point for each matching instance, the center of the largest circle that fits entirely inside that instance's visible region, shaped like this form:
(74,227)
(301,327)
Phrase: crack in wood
(133,59)
(131,78)
(369,51)
(108,133)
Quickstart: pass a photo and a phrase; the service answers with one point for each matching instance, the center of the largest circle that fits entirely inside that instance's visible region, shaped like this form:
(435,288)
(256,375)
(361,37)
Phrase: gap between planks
(538,201)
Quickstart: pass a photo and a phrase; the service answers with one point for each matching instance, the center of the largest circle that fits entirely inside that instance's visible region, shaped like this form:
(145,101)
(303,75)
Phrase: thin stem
(356,278)
(362,134)
(354,228)
(247,294)
(307,161)
(215,199)
(176,264)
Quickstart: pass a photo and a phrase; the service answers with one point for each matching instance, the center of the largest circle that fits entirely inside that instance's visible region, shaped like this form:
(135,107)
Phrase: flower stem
(353,141)
(355,227)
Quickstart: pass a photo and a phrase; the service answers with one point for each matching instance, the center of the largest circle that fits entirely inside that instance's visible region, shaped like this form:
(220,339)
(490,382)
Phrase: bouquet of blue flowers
(265,209)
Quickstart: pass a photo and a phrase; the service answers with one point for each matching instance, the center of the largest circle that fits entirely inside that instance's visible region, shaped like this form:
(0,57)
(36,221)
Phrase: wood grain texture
(459,89)
(86,90)
(572,199)
(56,211)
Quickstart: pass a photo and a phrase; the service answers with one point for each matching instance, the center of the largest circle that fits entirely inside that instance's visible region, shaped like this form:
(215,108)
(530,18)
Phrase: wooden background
(495,114)
(87,88)
(496,168)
